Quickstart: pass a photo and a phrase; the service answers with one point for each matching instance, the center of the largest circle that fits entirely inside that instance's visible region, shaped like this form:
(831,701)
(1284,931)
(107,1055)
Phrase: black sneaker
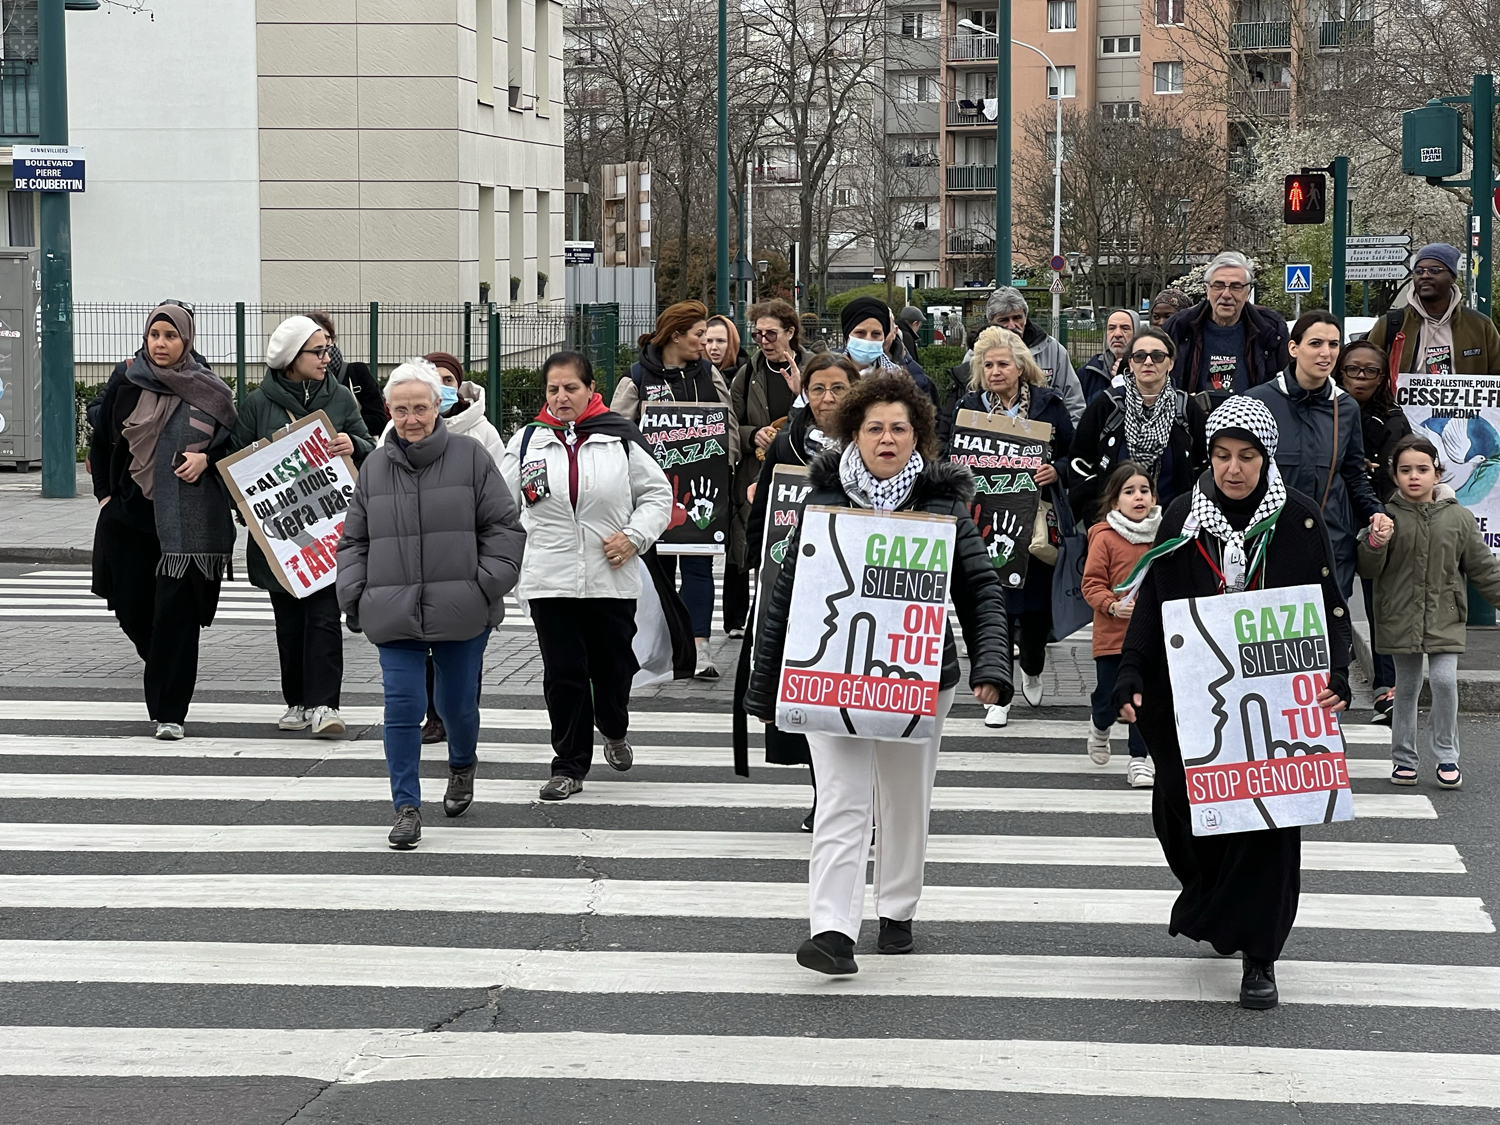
(807,821)
(460,793)
(1258,987)
(895,937)
(408,829)
(1385,703)
(829,952)
(560,788)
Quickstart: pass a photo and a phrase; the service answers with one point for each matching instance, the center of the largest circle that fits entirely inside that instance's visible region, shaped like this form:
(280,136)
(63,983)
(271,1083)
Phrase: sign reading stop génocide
(789,489)
(47,168)
(690,441)
(1004,454)
(293,494)
(1246,673)
(868,617)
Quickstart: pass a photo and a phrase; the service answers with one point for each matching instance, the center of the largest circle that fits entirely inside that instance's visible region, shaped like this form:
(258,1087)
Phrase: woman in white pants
(887,463)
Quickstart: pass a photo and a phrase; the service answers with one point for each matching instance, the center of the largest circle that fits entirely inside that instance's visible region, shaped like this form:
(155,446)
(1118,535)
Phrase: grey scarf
(192,520)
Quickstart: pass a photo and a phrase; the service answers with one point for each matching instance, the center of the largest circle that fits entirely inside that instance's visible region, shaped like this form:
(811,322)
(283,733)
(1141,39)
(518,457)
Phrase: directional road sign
(1378,240)
(1299,278)
(1396,272)
(1376,254)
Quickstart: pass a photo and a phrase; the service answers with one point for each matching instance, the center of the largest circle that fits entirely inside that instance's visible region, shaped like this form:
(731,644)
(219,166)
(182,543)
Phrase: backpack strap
(525,441)
(637,376)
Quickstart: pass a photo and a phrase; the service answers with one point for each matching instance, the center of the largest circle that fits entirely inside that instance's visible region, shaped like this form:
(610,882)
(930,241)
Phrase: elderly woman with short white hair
(431,546)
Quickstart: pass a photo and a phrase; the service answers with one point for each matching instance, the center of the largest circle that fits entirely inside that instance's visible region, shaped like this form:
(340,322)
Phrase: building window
(843,197)
(1168,77)
(914,25)
(1069,76)
(1062,15)
(1120,111)
(983,17)
(918,152)
(21,216)
(1169,12)
(917,88)
(1051,147)
(1117,45)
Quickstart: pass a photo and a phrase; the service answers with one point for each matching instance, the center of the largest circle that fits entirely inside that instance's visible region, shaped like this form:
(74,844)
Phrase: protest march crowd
(1202,462)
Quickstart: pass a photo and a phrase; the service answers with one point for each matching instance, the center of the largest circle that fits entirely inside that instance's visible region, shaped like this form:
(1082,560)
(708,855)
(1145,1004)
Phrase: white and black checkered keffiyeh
(1148,428)
(881,495)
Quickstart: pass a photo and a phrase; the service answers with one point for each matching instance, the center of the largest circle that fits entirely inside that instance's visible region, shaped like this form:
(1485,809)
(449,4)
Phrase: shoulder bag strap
(1333,464)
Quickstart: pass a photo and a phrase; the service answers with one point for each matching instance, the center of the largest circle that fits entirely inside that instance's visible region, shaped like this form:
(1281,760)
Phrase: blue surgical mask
(449,397)
(864,352)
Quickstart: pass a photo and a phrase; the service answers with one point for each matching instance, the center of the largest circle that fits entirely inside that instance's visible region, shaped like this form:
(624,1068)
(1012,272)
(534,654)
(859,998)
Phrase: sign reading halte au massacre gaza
(293,494)
(690,441)
(1004,454)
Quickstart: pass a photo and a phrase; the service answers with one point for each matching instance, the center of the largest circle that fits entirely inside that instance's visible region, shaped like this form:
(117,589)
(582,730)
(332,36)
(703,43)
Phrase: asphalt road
(328,979)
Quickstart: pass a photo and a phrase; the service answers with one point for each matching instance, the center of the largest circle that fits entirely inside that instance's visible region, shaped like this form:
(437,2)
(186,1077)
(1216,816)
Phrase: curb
(71,555)
(1478,689)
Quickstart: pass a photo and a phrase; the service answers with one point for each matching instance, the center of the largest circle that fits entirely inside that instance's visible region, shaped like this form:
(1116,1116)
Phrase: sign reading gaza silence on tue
(47,167)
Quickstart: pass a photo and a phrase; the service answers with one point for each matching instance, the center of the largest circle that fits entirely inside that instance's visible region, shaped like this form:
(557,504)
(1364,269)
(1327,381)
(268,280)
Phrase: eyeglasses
(1148,357)
(1430,271)
(323,352)
(1235,287)
(1353,371)
(419,412)
(835,391)
(766,334)
(880,429)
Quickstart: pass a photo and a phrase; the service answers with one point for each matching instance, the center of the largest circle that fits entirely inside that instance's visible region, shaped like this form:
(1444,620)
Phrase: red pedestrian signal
(1305,199)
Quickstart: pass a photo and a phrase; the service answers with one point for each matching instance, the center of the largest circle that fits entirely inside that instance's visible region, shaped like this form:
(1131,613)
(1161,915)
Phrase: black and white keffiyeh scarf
(881,495)
(1148,428)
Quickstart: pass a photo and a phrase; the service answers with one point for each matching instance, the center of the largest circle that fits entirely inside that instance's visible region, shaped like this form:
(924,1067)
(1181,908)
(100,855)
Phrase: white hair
(1229,260)
(418,371)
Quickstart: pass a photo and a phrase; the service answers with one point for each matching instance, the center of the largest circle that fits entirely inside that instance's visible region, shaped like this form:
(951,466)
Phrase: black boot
(895,937)
(1258,988)
(829,952)
(460,793)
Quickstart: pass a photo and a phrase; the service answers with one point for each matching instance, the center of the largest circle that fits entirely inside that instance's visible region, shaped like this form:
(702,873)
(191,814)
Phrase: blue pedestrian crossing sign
(1299,278)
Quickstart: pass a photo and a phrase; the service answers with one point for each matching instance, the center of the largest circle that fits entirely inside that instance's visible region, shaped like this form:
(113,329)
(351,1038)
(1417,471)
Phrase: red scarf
(546,418)
(595,408)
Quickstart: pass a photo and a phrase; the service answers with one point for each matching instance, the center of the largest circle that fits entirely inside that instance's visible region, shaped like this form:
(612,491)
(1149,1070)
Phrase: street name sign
(47,167)
(1375,254)
(1378,240)
(1376,272)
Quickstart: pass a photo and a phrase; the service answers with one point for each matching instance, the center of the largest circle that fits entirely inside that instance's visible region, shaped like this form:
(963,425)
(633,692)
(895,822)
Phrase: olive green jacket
(1421,600)
(277,403)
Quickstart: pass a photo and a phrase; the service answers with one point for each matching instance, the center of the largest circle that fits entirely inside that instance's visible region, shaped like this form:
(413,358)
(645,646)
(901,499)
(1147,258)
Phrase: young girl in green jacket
(1421,601)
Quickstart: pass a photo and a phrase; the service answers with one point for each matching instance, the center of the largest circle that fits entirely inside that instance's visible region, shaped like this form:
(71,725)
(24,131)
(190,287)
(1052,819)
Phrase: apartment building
(283,151)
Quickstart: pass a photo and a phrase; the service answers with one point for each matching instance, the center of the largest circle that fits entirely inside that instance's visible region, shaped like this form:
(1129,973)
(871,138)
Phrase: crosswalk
(233,896)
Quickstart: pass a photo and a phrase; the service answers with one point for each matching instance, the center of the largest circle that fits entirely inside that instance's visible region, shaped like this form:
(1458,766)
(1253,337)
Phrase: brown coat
(1111,559)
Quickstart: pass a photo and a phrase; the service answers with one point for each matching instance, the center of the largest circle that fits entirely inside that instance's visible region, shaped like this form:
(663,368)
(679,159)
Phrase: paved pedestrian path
(221,920)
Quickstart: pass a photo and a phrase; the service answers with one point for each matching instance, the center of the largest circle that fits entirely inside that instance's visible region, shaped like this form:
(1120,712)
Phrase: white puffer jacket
(620,488)
(471,421)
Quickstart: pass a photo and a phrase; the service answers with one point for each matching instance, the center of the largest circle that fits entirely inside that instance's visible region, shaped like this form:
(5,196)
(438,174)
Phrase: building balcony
(1260,36)
(971,177)
(20,110)
(1345,33)
(775,174)
(962,243)
(964,49)
(1265,103)
(965,113)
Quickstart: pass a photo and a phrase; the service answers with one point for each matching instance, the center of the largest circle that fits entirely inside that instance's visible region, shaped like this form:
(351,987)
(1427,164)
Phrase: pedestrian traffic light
(1305,199)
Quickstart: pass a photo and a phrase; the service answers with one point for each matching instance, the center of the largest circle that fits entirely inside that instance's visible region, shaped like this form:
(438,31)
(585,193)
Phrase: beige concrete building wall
(376,135)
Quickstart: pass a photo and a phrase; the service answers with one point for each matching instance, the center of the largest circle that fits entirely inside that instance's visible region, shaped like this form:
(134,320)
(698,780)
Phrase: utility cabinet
(20,357)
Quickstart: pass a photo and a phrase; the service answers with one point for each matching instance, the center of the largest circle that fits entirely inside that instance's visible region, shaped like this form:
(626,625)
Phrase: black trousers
(160,615)
(310,642)
(1030,630)
(736,596)
(587,667)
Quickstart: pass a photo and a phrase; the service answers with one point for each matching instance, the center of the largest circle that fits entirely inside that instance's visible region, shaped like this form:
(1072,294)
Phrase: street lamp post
(721,263)
(1002,144)
(1183,207)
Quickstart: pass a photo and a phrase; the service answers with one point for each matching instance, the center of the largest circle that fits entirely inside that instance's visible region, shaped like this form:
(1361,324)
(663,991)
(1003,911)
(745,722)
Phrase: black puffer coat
(942,489)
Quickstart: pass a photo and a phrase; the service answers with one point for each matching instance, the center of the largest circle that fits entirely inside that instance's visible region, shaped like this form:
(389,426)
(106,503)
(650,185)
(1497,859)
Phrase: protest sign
(1246,672)
(864,636)
(1460,414)
(293,494)
(690,441)
(1004,454)
(789,489)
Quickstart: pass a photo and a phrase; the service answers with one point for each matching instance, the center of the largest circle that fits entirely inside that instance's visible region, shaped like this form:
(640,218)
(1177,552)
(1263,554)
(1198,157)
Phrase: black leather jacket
(942,489)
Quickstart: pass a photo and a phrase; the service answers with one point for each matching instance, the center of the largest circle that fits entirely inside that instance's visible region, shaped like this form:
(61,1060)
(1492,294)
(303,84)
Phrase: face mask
(449,397)
(864,352)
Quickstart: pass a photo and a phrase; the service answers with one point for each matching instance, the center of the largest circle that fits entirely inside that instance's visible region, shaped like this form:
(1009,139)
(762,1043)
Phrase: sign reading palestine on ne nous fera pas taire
(690,441)
(293,494)
(1460,414)
(1004,454)
(1246,672)
(789,489)
(869,613)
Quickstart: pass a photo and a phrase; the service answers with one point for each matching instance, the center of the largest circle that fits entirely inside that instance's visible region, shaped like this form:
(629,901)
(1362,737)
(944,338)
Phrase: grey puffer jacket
(432,543)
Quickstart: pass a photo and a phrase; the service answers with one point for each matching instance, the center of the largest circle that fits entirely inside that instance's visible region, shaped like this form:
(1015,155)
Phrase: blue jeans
(1107,670)
(697,589)
(403,668)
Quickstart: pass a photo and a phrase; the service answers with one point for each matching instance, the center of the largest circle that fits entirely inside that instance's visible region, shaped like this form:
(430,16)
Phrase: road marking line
(1065,851)
(687,899)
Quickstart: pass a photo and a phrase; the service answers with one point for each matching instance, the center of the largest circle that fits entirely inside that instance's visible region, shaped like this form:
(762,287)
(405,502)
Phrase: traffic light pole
(1482,99)
(59,398)
(721,270)
(1340,169)
(1003,272)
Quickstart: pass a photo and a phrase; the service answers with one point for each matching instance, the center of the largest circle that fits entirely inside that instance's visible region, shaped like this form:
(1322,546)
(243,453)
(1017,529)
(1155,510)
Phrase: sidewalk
(44,531)
(1478,665)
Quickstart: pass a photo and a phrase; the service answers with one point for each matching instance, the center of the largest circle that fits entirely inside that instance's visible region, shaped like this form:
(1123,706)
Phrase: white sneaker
(996,714)
(326,722)
(706,669)
(1098,745)
(169,732)
(1141,773)
(296,718)
(1031,688)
